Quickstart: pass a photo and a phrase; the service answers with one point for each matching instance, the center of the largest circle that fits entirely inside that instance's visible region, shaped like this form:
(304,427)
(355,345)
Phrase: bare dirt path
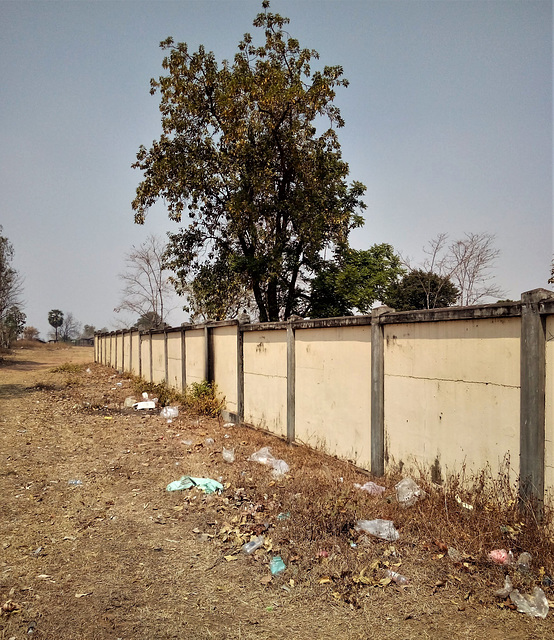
(93,546)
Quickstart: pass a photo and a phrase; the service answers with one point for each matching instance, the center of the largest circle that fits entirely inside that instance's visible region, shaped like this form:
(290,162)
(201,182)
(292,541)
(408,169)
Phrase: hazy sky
(448,124)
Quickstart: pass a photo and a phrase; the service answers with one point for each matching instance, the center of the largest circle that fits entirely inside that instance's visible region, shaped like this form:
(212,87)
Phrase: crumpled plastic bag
(384,529)
(501,556)
(506,589)
(408,492)
(535,605)
(145,404)
(264,456)
(169,412)
(187,482)
(371,488)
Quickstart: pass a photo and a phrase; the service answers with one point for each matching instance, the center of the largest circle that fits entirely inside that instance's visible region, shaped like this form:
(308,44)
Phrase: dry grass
(127,559)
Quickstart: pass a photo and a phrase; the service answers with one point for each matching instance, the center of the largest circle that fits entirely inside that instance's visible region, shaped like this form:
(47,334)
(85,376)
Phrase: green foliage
(165,394)
(354,280)
(422,290)
(202,398)
(55,319)
(218,292)
(240,154)
(150,320)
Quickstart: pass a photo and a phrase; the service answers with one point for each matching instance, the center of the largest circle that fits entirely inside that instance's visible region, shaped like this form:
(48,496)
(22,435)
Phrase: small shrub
(67,367)
(202,398)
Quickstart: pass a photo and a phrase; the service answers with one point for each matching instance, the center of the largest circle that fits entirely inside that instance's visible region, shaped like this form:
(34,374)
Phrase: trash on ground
(264,456)
(501,556)
(254,544)
(506,589)
(408,492)
(277,565)
(454,554)
(283,516)
(187,482)
(75,483)
(379,528)
(535,605)
(397,577)
(372,488)
(228,425)
(228,455)
(169,412)
(209,441)
(524,562)
(145,404)
(129,402)
(463,504)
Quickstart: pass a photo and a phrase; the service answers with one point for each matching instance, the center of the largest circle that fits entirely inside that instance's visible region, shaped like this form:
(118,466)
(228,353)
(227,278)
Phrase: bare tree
(70,329)
(471,260)
(466,263)
(11,288)
(146,287)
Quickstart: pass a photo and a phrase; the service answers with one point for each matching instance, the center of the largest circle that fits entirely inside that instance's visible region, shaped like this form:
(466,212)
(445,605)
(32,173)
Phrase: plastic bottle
(396,577)
(254,544)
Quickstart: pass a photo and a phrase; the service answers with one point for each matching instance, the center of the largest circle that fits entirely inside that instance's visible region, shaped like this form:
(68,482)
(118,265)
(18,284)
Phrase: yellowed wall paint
(265,380)
(436,375)
(225,364)
(195,355)
(333,378)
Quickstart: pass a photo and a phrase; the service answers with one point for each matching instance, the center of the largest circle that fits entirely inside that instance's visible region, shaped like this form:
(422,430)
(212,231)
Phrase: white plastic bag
(264,456)
(408,492)
(535,605)
(384,529)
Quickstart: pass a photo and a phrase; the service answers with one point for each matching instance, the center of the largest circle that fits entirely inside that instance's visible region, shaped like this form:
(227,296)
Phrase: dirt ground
(93,546)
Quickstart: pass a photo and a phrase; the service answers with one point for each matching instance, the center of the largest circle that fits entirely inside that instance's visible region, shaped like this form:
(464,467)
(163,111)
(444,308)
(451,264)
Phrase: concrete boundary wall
(442,390)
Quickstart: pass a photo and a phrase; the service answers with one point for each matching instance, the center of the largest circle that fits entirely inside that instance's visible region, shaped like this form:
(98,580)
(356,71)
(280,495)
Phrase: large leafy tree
(241,155)
(422,290)
(353,281)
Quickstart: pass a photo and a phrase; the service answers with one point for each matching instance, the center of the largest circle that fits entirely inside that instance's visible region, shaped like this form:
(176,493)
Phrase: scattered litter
(535,605)
(254,544)
(209,441)
(454,554)
(75,483)
(277,565)
(187,482)
(129,402)
(397,577)
(88,371)
(82,595)
(169,412)
(372,488)
(10,607)
(524,562)
(228,455)
(463,504)
(501,556)
(264,456)
(379,528)
(506,589)
(283,516)
(228,425)
(119,384)
(408,492)
(145,404)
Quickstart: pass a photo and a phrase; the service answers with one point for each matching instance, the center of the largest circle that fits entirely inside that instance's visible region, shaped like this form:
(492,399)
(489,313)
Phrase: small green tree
(240,154)
(12,326)
(421,290)
(55,319)
(354,280)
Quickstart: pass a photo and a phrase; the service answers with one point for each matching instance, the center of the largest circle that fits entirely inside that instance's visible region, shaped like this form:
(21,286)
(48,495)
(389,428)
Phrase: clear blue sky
(448,123)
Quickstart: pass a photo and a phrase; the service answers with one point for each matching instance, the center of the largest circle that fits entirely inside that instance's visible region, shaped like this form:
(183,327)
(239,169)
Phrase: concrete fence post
(532,398)
(151,356)
(240,374)
(166,359)
(183,360)
(378,392)
(208,354)
(291,383)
